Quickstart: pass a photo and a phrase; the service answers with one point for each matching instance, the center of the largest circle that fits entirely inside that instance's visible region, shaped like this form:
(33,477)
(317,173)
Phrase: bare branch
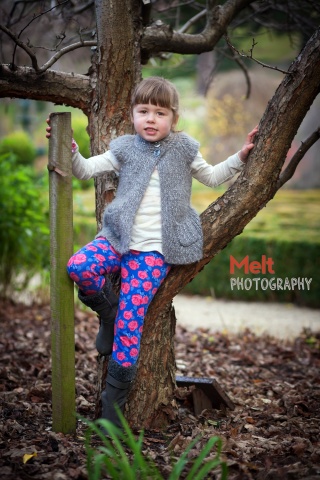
(250,56)
(63,51)
(240,63)
(54,58)
(192,21)
(60,88)
(297,157)
(159,37)
(32,20)
(22,45)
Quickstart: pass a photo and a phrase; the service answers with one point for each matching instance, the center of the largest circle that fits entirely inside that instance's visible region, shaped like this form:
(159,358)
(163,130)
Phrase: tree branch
(54,58)
(250,56)
(192,21)
(258,182)
(22,45)
(63,51)
(52,86)
(297,157)
(159,37)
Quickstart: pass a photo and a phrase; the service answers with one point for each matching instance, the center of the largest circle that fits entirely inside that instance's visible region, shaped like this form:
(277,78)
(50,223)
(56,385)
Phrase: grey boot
(119,380)
(105,303)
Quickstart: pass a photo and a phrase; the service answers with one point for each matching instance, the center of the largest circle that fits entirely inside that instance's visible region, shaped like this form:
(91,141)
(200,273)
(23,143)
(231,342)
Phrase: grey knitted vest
(182,239)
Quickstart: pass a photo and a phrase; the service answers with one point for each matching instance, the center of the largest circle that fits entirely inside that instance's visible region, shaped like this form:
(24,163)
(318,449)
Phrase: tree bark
(221,222)
(52,86)
(116,70)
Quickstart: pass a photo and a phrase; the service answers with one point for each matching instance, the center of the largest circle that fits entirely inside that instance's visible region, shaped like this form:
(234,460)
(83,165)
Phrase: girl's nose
(150,117)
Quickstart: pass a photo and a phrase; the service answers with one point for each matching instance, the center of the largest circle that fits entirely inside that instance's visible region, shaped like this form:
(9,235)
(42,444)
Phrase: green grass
(292,215)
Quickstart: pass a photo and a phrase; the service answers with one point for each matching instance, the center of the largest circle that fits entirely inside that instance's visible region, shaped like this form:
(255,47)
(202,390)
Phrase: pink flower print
(136,299)
(159,262)
(87,274)
(126,364)
(147,286)
(122,305)
(86,283)
(93,266)
(145,299)
(134,352)
(74,277)
(125,341)
(154,291)
(141,329)
(133,264)
(133,325)
(124,273)
(92,248)
(79,258)
(120,324)
(134,282)
(114,347)
(156,273)
(99,257)
(91,292)
(142,274)
(140,312)
(125,288)
(134,340)
(102,246)
(150,261)
(121,356)
(127,314)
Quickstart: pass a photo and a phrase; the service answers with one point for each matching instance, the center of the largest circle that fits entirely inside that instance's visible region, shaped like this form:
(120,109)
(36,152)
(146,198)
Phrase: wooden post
(61,287)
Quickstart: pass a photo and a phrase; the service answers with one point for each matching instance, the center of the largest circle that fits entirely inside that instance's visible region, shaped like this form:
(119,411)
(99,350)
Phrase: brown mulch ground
(273,433)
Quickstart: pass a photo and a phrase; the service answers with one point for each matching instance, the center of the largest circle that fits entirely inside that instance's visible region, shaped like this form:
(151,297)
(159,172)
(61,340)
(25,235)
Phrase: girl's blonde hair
(157,91)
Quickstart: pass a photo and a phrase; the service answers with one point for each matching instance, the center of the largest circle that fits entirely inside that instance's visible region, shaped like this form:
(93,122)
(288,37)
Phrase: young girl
(149,226)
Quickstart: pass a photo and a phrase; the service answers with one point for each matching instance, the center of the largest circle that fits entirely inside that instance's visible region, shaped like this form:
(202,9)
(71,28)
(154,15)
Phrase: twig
(250,56)
(22,45)
(297,157)
(34,18)
(243,68)
(192,21)
(54,58)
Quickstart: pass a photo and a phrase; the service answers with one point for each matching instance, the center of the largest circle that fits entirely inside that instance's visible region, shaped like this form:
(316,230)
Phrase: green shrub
(120,456)
(291,260)
(20,144)
(24,232)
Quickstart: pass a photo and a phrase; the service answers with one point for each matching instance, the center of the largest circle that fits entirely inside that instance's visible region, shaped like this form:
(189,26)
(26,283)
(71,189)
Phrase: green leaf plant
(120,456)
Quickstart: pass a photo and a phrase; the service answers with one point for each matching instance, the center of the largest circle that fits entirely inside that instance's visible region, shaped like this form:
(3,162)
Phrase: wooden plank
(210,388)
(61,287)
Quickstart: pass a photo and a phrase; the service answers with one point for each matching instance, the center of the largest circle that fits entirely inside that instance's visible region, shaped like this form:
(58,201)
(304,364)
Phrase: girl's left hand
(248,145)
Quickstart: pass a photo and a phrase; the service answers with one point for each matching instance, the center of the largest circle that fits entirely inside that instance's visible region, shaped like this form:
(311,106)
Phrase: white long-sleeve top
(146,231)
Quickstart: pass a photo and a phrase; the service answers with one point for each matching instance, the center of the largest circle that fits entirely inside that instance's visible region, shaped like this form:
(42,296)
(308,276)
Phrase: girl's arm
(83,168)
(86,168)
(214,175)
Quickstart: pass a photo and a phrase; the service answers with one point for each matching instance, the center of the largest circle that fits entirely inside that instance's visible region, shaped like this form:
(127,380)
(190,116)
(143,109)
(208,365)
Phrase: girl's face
(151,122)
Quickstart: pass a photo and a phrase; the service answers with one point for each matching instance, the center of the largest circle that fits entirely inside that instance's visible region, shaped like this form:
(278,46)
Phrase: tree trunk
(151,402)
(116,68)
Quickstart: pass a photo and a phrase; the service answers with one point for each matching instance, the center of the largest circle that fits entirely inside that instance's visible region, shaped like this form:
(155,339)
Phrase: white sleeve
(214,175)
(86,168)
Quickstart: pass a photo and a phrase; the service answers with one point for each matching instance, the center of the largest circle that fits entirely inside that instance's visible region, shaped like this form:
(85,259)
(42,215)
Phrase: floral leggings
(141,276)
